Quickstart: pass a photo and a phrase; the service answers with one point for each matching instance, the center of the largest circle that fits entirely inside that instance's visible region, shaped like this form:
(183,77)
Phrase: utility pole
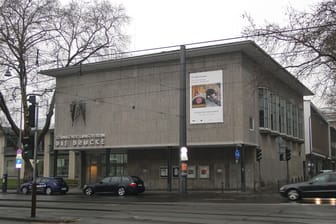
(183,128)
(32,100)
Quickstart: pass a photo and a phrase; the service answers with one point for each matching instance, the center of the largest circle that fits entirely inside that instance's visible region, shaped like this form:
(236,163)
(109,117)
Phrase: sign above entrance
(80,141)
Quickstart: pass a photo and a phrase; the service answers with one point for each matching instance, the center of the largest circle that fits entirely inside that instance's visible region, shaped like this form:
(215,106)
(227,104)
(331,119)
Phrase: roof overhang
(247,47)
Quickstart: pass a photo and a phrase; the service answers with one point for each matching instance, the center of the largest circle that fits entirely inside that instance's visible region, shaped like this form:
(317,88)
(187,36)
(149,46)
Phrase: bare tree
(37,34)
(306,45)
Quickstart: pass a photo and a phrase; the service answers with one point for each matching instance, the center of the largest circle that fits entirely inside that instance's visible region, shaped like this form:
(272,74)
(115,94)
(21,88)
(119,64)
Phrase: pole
(242,168)
(19,147)
(33,206)
(287,171)
(183,129)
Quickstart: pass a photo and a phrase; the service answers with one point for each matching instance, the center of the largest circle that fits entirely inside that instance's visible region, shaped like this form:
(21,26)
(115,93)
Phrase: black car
(322,186)
(46,185)
(120,185)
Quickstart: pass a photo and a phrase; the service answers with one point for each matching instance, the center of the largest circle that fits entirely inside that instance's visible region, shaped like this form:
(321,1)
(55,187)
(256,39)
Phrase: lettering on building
(80,141)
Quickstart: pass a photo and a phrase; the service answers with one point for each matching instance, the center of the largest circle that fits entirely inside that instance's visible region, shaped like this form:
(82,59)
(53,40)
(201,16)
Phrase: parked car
(322,185)
(46,185)
(120,185)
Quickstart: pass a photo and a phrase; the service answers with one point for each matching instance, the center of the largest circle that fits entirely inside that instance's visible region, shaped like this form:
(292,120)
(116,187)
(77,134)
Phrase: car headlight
(283,188)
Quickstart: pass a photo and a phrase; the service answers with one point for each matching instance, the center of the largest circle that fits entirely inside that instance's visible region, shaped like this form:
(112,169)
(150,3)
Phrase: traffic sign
(237,154)
(18,152)
(18,164)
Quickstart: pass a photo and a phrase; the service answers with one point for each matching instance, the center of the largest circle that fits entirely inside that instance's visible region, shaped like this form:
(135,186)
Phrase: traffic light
(31,111)
(28,146)
(258,154)
(288,154)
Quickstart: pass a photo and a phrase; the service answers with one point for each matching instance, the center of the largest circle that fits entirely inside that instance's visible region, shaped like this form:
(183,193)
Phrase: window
(11,141)
(263,107)
(126,180)
(251,123)
(118,164)
(300,123)
(295,120)
(289,116)
(274,112)
(282,116)
(62,165)
(115,180)
(106,180)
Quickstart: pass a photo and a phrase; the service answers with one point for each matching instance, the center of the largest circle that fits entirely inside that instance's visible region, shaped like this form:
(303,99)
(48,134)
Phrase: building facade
(123,117)
(320,140)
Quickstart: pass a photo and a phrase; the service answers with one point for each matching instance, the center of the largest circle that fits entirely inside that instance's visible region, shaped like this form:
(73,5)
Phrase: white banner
(206,96)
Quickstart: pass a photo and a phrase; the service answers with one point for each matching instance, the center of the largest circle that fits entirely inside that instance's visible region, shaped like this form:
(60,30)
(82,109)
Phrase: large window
(277,114)
(289,116)
(300,123)
(118,164)
(263,107)
(295,120)
(274,112)
(62,165)
(282,116)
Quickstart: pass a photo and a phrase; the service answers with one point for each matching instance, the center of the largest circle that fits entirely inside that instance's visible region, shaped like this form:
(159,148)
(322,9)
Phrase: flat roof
(248,47)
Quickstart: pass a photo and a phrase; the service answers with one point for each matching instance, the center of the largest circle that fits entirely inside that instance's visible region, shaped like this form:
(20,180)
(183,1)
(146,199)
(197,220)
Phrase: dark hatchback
(120,185)
(321,186)
(46,185)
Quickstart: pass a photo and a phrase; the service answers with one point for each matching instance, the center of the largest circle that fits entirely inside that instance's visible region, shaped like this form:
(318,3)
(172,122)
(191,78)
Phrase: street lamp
(8,73)
(32,100)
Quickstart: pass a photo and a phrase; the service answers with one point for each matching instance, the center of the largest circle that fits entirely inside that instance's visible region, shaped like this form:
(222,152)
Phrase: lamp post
(32,100)
(182,122)
(8,73)
(19,148)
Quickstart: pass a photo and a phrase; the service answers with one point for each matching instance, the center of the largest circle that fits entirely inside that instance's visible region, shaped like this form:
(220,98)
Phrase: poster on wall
(204,172)
(164,171)
(191,172)
(206,97)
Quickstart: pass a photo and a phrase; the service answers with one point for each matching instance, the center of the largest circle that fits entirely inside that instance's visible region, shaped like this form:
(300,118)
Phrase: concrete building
(320,140)
(123,117)
(49,162)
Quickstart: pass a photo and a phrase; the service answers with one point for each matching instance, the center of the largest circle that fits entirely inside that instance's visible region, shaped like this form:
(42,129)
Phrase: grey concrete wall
(138,106)
(224,172)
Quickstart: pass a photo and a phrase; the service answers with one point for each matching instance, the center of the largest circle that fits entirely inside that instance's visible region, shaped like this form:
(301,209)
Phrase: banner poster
(206,96)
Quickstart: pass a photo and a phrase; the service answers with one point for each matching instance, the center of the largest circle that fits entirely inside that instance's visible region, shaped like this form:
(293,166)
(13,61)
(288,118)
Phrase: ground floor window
(118,164)
(62,165)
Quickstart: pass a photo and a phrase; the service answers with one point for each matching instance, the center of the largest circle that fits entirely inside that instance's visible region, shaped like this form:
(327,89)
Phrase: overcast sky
(160,23)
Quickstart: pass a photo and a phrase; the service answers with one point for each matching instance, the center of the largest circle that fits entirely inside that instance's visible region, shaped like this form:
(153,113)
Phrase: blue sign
(18,163)
(237,154)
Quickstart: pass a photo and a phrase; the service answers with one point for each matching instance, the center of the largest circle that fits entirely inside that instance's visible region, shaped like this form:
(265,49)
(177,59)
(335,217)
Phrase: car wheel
(88,191)
(121,191)
(293,194)
(48,191)
(24,190)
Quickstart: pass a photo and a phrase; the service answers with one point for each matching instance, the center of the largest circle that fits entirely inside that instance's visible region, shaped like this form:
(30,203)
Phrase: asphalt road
(165,208)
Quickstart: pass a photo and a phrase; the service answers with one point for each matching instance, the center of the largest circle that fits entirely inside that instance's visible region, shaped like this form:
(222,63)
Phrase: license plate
(63,189)
(139,185)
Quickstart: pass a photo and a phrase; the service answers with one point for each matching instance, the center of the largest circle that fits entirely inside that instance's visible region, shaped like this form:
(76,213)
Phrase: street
(163,208)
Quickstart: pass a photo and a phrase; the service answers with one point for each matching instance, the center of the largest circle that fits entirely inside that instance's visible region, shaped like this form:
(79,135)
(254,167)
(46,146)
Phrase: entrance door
(95,166)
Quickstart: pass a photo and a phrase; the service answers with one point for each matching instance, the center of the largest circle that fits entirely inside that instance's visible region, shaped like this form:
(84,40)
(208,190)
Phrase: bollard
(4,183)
